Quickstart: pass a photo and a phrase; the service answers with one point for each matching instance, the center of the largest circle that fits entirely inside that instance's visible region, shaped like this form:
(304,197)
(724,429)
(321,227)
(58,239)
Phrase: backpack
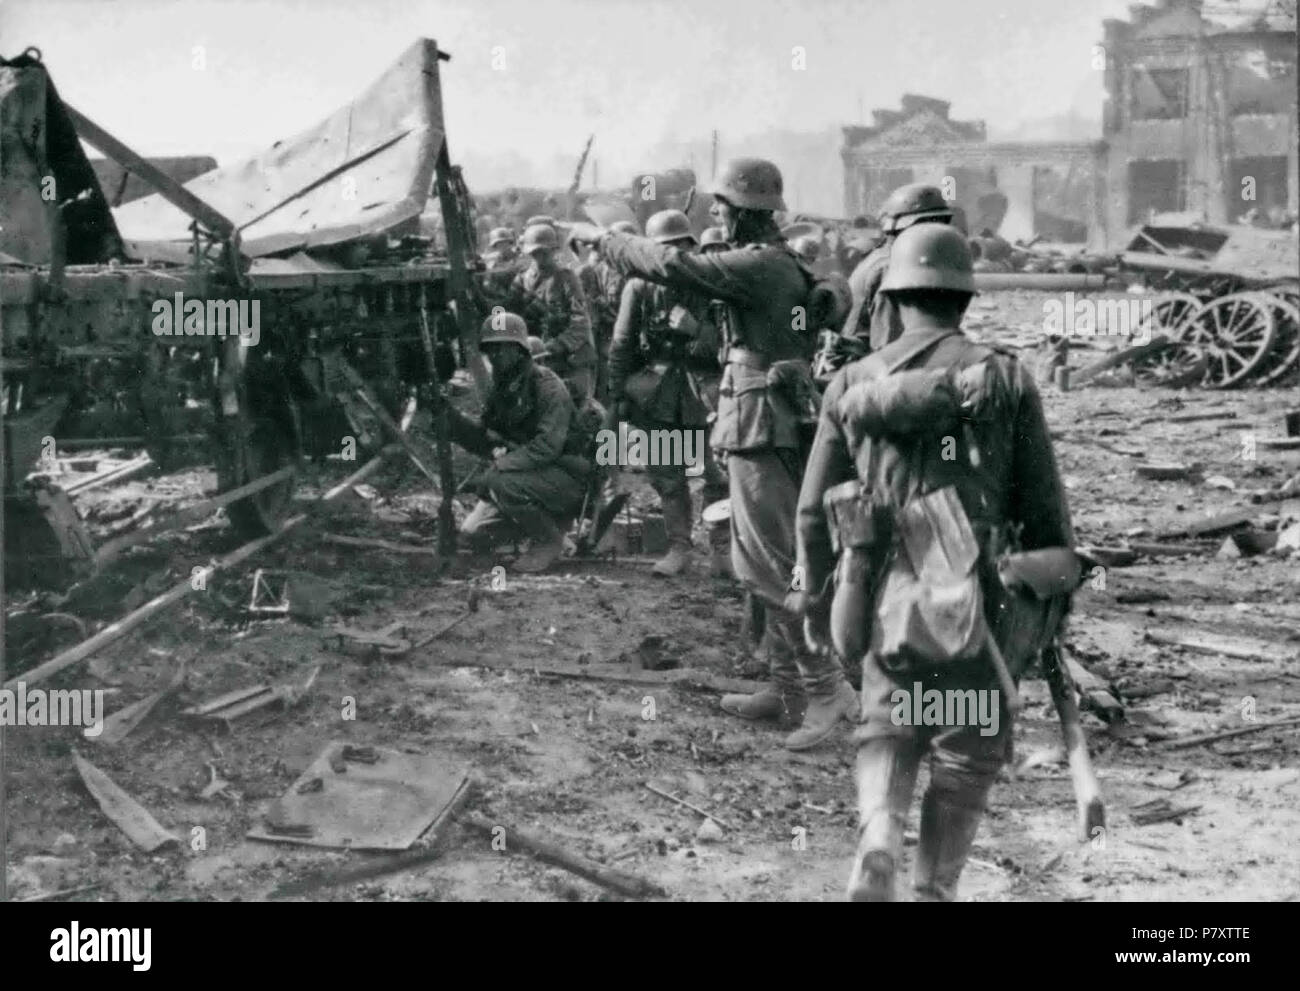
(918,580)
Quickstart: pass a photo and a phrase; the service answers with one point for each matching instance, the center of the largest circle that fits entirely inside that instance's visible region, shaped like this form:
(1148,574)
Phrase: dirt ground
(571,755)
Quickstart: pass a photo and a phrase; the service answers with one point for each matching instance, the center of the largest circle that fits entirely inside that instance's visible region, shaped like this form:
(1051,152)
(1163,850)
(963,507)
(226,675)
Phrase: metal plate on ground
(383,802)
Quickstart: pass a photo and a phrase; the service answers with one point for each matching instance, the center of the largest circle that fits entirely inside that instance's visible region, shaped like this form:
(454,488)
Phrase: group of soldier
(664,331)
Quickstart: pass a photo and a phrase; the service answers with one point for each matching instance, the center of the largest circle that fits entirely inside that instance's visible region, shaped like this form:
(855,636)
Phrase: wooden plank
(685,677)
(127,814)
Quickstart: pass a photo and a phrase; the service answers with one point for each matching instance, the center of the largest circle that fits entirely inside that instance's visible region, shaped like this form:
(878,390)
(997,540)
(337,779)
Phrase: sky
(529,80)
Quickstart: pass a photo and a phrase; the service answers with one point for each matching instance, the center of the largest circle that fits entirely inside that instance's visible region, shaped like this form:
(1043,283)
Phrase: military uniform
(555,309)
(545,470)
(653,370)
(602,285)
(757,428)
(1004,473)
(871,309)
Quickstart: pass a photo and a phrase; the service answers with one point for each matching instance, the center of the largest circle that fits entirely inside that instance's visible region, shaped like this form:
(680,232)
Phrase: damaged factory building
(1199,119)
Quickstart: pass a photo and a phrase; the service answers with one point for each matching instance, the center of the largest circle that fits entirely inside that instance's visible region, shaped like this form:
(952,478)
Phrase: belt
(750,359)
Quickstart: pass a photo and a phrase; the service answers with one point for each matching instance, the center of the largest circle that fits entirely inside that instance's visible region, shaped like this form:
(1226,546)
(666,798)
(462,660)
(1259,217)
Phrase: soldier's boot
(720,552)
(949,822)
(677,521)
(831,699)
(886,774)
(782,697)
(547,543)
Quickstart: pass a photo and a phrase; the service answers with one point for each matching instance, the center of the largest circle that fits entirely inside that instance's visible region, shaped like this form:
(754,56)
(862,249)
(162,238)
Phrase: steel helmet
(624,227)
(713,237)
(908,204)
(750,183)
(536,346)
(669,225)
(541,218)
(505,328)
(539,236)
(500,235)
(807,248)
(930,256)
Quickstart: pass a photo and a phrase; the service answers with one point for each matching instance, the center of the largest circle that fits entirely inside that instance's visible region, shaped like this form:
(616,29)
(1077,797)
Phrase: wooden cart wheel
(1285,356)
(1177,365)
(1237,332)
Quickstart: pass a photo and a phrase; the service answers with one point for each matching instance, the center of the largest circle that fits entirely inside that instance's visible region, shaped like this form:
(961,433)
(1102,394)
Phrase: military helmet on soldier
(750,183)
(541,218)
(500,235)
(539,236)
(536,347)
(505,328)
(930,256)
(624,227)
(669,225)
(908,204)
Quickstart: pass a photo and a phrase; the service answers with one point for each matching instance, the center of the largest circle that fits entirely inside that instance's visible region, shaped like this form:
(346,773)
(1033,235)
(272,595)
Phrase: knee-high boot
(886,776)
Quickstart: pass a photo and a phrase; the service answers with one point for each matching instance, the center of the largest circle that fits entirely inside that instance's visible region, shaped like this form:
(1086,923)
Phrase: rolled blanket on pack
(900,405)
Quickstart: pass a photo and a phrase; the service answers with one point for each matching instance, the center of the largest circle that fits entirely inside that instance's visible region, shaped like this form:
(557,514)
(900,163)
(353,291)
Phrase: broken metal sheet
(270,594)
(120,724)
(364,170)
(127,814)
(386,804)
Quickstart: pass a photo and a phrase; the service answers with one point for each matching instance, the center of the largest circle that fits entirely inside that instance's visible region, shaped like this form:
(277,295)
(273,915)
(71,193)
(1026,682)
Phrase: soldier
(551,301)
(872,322)
(807,248)
(963,421)
(539,469)
(660,336)
(602,285)
(758,424)
(502,265)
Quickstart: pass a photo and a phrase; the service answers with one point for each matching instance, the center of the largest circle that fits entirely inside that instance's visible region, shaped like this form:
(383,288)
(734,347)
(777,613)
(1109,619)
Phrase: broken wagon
(277,309)
(1230,312)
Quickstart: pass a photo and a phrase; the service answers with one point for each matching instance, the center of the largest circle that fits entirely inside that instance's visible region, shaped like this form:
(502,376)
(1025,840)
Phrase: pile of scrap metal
(1230,315)
(995,254)
(136,320)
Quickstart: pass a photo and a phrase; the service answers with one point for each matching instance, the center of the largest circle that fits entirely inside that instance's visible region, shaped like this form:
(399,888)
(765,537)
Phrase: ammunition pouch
(751,415)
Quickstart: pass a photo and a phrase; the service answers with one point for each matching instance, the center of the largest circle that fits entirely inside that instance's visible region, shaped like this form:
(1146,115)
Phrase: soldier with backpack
(766,392)
(932,469)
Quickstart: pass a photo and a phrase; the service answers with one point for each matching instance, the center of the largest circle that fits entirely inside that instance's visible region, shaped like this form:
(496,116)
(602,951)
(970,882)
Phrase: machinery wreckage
(344,315)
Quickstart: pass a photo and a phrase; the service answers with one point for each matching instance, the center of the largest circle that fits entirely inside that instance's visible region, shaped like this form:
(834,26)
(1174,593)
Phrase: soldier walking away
(872,321)
(539,468)
(758,425)
(932,461)
(661,335)
(550,300)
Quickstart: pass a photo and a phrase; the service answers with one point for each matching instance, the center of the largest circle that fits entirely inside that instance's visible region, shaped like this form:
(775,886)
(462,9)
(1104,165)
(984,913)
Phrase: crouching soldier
(539,466)
(932,469)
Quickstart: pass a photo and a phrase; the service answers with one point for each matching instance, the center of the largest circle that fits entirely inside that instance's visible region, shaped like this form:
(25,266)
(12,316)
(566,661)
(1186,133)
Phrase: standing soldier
(758,424)
(873,322)
(550,299)
(602,285)
(930,441)
(660,333)
(539,467)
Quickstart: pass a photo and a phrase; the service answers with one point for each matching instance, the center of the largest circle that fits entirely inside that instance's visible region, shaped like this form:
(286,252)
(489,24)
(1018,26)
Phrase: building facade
(1199,119)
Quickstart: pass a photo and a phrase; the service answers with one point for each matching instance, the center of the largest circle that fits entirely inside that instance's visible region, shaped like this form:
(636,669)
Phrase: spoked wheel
(1177,365)
(1236,333)
(1285,357)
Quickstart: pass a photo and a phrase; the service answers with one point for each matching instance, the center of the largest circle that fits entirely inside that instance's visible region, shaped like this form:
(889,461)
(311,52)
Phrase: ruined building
(1199,117)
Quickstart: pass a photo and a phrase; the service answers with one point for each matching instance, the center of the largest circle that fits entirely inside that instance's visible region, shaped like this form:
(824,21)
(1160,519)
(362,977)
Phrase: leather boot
(948,830)
(677,521)
(830,697)
(547,544)
(782,696)
(886,776)
(822,719)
